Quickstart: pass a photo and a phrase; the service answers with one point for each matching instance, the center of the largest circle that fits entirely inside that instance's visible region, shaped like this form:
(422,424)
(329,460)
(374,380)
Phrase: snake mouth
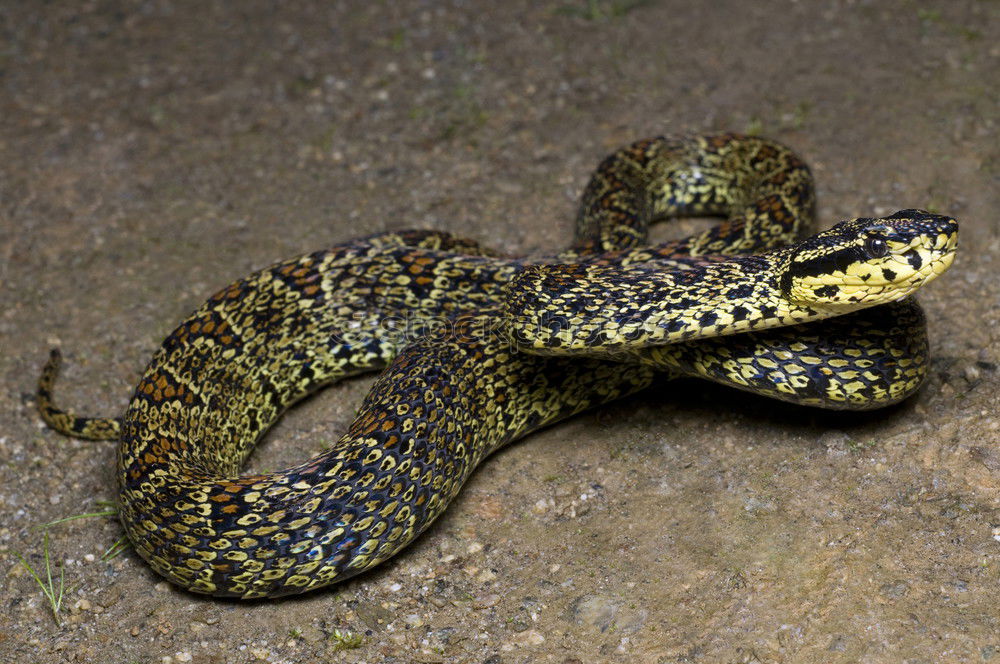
(926,264)
(922,260)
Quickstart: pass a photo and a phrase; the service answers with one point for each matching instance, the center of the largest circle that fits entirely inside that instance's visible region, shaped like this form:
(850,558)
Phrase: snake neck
(604,309)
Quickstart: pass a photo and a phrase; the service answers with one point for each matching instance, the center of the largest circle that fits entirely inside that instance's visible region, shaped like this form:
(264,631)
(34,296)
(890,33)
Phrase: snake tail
(67,422)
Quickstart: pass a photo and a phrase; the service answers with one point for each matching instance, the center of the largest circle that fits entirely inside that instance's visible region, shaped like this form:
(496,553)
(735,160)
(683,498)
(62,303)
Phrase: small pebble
(486,601)
(594,610)
(542,506)
(475,547)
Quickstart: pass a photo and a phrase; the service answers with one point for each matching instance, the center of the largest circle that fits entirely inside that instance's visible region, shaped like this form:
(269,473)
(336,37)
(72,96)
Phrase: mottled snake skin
(452,321)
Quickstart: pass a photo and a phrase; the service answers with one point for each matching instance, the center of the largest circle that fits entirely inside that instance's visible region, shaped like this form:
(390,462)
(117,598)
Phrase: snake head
(864,262)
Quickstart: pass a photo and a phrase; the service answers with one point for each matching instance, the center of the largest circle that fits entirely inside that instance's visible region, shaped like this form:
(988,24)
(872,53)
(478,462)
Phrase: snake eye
(876,247)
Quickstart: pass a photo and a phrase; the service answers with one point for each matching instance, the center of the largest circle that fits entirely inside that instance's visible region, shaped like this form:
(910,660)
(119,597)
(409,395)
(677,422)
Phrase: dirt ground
(153,151)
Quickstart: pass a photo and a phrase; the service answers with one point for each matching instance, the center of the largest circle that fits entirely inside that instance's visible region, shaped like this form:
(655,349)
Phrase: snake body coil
(459,384)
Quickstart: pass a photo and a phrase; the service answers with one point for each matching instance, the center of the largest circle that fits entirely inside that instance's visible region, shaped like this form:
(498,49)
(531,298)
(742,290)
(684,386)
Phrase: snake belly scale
(493,348)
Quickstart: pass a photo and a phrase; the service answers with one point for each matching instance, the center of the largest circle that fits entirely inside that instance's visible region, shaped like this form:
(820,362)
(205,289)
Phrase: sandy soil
(151,152)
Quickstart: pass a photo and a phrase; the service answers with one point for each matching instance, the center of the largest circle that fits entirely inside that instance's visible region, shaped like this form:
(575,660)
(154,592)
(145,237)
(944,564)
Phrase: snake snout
(935,232)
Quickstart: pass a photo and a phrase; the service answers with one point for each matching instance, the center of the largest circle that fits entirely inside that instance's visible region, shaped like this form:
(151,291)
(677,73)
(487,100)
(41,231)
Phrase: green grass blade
(48,589)
(115,549)
(75,517)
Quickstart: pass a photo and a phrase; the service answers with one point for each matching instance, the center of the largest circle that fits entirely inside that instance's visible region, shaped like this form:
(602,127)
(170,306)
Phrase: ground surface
(151,152)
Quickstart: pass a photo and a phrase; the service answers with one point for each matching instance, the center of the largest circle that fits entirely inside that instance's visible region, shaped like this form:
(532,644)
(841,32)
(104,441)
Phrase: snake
(478,349)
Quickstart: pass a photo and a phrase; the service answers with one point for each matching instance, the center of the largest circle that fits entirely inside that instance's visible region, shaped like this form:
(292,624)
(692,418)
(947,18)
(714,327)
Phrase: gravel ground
(153,151)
